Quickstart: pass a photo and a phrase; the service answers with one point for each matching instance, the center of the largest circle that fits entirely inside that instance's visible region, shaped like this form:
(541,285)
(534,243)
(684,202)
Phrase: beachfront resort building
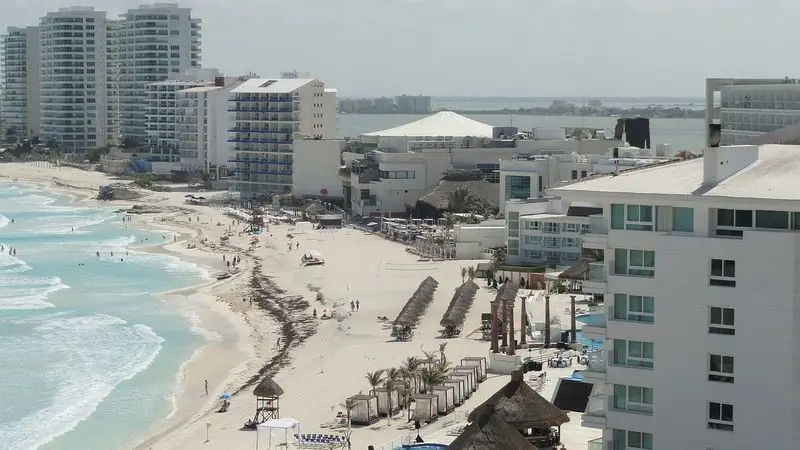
(153,43)
(163,113)
(20,79)
(73,89)
(202,127)
(699,265)
(268,116)
(752,110)
(387,171)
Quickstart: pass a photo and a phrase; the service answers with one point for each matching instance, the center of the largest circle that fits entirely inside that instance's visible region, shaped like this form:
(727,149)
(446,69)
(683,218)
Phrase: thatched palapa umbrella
(488,432)
(520,406)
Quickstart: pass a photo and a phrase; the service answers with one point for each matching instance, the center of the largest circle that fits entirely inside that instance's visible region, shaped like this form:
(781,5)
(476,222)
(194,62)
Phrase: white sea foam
(22,292)
(88,363)
(194,326)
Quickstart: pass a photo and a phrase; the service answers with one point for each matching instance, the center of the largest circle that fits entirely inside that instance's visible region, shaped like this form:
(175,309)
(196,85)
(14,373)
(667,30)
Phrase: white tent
(285,424)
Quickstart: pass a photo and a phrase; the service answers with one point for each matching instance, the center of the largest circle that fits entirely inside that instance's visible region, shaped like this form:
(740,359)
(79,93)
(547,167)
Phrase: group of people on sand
(232,263)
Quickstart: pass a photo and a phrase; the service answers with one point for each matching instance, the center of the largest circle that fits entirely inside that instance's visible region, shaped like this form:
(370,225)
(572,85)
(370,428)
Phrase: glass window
(617,217)
(772,219)
(683,220)
(722,320)
(633,353)
(720,368)
(720,416)
(518,187)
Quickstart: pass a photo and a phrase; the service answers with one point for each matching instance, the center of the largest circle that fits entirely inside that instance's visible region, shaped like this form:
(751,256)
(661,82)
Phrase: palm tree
(463,274)
(390,383)
(432,376)
(409,370)
(471,272)
(499,259)
(374,379)
(459,199)
(404,392)
(349,405)
(442,357)
(430,358)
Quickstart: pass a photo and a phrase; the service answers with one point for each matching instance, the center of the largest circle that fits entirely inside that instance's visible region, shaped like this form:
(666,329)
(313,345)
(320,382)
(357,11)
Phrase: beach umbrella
(225,396)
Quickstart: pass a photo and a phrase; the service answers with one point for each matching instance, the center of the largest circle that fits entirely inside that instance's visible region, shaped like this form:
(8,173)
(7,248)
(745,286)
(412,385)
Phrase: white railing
(597,272)
(595,444)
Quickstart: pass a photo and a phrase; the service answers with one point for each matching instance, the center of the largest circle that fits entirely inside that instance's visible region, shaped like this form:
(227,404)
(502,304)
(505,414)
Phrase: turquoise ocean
(89,357)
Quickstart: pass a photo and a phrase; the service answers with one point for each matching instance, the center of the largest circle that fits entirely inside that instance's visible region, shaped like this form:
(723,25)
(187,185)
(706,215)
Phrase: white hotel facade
(268,116)
(702,319)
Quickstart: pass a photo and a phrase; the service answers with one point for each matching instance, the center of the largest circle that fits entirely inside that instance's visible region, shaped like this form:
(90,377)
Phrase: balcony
(595,282)
(597,444)
(597,237)
(595,415)
(595,371)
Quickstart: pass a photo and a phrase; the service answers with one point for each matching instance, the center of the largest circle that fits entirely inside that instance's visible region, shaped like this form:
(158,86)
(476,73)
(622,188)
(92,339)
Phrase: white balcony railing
(597,272)
(596,444)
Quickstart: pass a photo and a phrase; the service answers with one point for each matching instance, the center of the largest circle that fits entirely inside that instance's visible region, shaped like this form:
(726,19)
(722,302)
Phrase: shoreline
(229,358)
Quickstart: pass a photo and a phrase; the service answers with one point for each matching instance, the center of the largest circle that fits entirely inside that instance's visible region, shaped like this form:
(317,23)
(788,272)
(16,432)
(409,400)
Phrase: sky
(479,48)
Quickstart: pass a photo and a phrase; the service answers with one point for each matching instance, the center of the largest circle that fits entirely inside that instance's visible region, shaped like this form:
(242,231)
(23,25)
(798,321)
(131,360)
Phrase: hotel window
(583,174)
(571,227)
(722,320)
(518,187)
(550,227)
(632,217)
(531,225)
(533,240)
(723,273)
(625,440)
(634,308)
(633,398)
(731,222)
(574,174)
(720,368)
(639,263)
(776,220)
(720,416)
(633,353)
(683,220)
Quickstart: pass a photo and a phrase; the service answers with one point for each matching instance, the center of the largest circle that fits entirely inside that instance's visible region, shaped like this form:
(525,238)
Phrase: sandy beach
(260,320)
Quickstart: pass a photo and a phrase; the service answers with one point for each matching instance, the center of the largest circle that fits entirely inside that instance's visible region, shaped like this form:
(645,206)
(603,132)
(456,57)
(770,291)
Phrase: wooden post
(493,346)
(546,321)
(523,322)
(504,313)
(510,348)
(572,331)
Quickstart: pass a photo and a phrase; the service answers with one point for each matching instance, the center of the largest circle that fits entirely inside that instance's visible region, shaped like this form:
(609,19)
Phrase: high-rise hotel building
(78,80)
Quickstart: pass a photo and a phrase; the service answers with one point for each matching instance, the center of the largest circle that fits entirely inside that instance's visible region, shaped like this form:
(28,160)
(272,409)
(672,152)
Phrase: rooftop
(202,88)
(444,123)
(774,175)
(272,85)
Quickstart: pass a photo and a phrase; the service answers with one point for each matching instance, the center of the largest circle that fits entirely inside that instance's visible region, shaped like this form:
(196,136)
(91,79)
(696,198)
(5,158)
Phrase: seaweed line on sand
(288,311)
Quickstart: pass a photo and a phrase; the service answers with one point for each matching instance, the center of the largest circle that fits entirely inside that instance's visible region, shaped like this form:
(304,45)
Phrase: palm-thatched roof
(507,291)
(416,306)
(268,388)
(520,406)
(579,271)
(438,197)
(456,312)
(488,432)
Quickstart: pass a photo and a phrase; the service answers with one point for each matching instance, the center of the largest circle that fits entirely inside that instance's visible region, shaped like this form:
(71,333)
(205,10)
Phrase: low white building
(545,231)
(476,241)
(389,170)
(702,321)
(527,176)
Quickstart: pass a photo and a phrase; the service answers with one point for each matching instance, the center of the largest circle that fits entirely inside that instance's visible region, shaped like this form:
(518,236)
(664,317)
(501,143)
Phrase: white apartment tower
(268,115)
(702,318)
(73,85)
(162,112)
(202,128)
(154,42)
(20,60)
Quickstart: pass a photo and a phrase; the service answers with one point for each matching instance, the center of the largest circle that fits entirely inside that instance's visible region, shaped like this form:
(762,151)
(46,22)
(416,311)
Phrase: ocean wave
(194,326)
(121,242)
(91,356)
(20,292)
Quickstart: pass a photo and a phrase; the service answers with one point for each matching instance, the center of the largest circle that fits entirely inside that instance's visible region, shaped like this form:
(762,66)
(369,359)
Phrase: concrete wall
(315,167)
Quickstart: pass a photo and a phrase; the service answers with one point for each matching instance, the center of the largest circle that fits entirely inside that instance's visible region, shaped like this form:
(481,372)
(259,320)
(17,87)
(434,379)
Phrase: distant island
(594,108)
(651,112)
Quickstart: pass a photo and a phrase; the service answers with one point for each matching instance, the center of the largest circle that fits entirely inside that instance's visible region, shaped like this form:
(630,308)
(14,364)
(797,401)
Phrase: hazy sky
(488,47)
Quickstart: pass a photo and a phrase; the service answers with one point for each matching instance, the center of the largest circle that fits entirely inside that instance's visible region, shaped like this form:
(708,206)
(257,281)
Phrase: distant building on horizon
(413,104)
(20,80)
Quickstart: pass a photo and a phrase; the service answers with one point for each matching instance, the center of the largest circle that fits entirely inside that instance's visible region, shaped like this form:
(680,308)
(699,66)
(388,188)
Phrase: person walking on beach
(352,306)
(206,388)
(358,305)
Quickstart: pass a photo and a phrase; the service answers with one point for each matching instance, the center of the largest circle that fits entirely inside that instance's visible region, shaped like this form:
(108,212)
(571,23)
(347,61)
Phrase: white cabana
(285,424)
